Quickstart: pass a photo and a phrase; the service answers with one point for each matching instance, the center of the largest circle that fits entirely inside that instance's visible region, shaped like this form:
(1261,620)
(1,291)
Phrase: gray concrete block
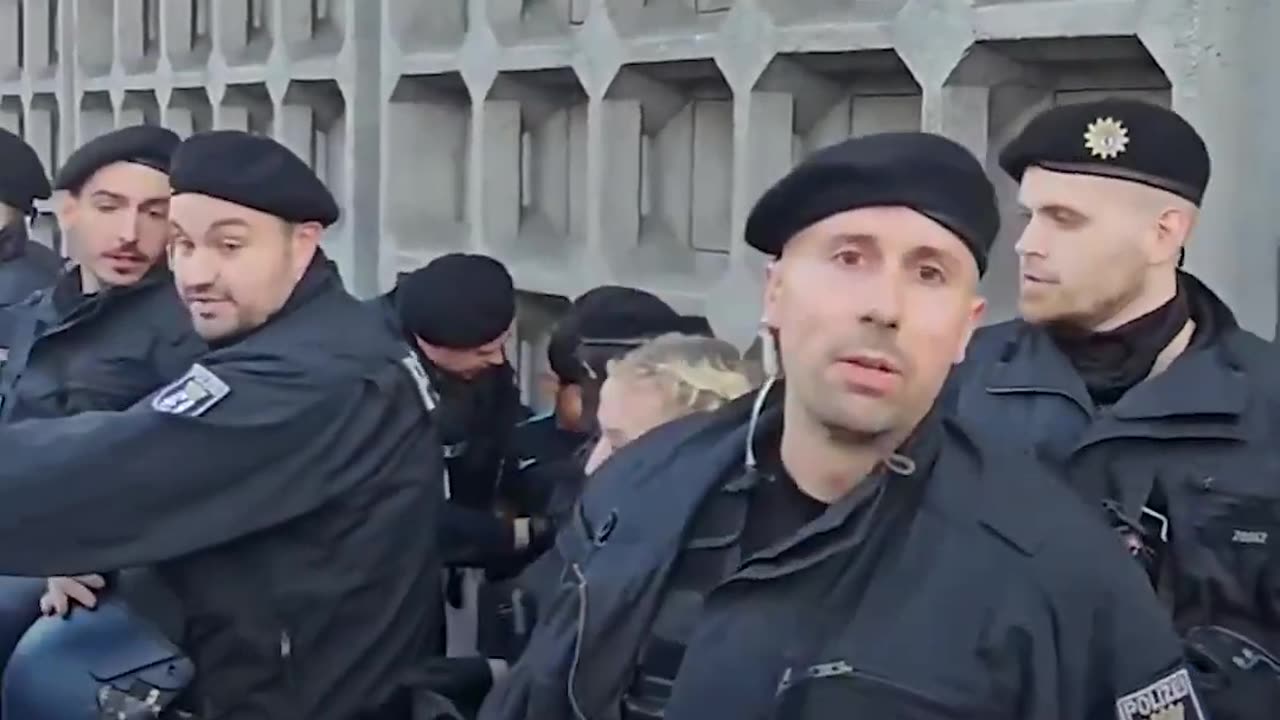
(594,141)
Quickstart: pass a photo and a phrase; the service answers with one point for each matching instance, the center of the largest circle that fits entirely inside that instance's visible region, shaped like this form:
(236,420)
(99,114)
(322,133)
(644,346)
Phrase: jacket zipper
(577,641)
(843,669)
(286,662)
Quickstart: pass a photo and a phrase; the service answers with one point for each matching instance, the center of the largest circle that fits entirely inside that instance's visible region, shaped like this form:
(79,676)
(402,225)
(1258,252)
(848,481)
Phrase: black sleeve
(1139,662)
(221,453)
(177,345)
(526,485)
(1116,652)
(475,538)
(175,353)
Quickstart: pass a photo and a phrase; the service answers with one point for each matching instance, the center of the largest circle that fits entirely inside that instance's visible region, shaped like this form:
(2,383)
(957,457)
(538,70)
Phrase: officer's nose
(881,299)
(127,231)
(195,270)
(1030,241)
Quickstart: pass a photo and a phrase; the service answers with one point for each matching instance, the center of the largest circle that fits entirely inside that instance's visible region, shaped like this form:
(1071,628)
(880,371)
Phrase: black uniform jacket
(474,420)
(1191,452)
(543,472)
(278,487)
(1002,597)
(26,267)
(69,353)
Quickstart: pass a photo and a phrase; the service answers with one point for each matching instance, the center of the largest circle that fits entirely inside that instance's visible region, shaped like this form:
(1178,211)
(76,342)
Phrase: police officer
(111,329)
(870,558)
(603,323)
(25,265)
(617,318)
(542,446)
(108,331)
(1134,380)
(458,311)
(277,485)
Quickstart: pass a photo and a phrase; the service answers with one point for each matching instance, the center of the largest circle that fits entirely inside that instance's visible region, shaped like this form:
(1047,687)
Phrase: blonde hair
(696,373)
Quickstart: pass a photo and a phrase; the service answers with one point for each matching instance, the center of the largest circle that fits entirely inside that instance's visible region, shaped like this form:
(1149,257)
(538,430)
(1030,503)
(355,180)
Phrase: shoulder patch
(1172,697)
(426,392)
(192,394)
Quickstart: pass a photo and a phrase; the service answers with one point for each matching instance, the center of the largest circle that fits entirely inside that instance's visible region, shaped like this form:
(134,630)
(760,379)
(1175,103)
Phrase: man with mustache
(277,486)
(25,265)
(835,547)
(1133,379)
(109,330)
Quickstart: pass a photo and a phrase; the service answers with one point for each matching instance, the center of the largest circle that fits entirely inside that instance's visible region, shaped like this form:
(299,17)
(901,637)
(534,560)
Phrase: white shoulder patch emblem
(420,379)
(1170,698)
(192,394)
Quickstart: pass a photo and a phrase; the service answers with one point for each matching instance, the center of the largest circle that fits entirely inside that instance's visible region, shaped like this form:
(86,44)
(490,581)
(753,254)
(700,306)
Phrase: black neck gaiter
(1113,361)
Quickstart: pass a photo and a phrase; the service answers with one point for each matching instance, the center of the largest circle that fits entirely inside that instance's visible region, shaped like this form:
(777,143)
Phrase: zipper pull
(286,645)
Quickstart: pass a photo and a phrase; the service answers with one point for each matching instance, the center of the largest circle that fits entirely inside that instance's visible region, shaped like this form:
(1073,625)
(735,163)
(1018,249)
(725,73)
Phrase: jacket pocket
(837,690)
(1240,535)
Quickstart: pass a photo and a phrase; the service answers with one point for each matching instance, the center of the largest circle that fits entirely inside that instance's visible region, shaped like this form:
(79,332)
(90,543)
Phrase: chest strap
(711,553)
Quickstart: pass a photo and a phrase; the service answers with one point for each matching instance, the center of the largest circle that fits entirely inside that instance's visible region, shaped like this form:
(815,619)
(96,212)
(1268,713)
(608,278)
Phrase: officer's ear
(305,239)
(1172,230)
(977,309)
(772,292)
(66,207)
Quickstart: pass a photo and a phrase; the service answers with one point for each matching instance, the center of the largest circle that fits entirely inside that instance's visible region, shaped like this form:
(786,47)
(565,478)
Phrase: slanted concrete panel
(620,141)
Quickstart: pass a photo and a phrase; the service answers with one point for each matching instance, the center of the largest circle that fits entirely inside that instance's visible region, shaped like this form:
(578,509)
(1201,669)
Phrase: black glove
(464,680)
(1236,677)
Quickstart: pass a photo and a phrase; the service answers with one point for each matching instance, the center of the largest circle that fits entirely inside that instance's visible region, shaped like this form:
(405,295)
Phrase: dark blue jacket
(25,269)
(69,353)
(1194,447)
(1005,598)
(475,421)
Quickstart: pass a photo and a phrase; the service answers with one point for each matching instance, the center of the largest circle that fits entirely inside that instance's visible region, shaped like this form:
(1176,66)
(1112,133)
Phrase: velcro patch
(192,394)
(1172,697)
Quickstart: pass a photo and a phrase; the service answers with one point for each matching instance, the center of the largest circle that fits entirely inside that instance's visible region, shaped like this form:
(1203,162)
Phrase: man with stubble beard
(109,331)
(1132,378)
(277,486)
(835,547)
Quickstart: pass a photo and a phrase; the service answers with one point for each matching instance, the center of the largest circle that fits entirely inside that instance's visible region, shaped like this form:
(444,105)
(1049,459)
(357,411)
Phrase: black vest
(711,552)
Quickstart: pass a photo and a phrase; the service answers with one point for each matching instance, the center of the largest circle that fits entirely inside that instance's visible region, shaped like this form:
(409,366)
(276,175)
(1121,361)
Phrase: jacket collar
(1207,379)
(321,277)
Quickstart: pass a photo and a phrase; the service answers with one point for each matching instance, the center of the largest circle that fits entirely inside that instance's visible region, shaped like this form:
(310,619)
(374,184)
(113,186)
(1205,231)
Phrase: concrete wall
(592,141)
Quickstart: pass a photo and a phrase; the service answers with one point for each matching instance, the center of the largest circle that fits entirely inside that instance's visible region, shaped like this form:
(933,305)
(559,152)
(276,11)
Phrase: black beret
(928,173)
(627,316)
(562,351)
(22,176)
(1117,138)
(458,301)
(608,321)
(142,144)
(252,171)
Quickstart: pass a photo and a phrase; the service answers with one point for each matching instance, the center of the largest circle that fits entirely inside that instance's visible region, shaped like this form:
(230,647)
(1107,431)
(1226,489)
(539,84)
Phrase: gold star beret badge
(1106,138)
